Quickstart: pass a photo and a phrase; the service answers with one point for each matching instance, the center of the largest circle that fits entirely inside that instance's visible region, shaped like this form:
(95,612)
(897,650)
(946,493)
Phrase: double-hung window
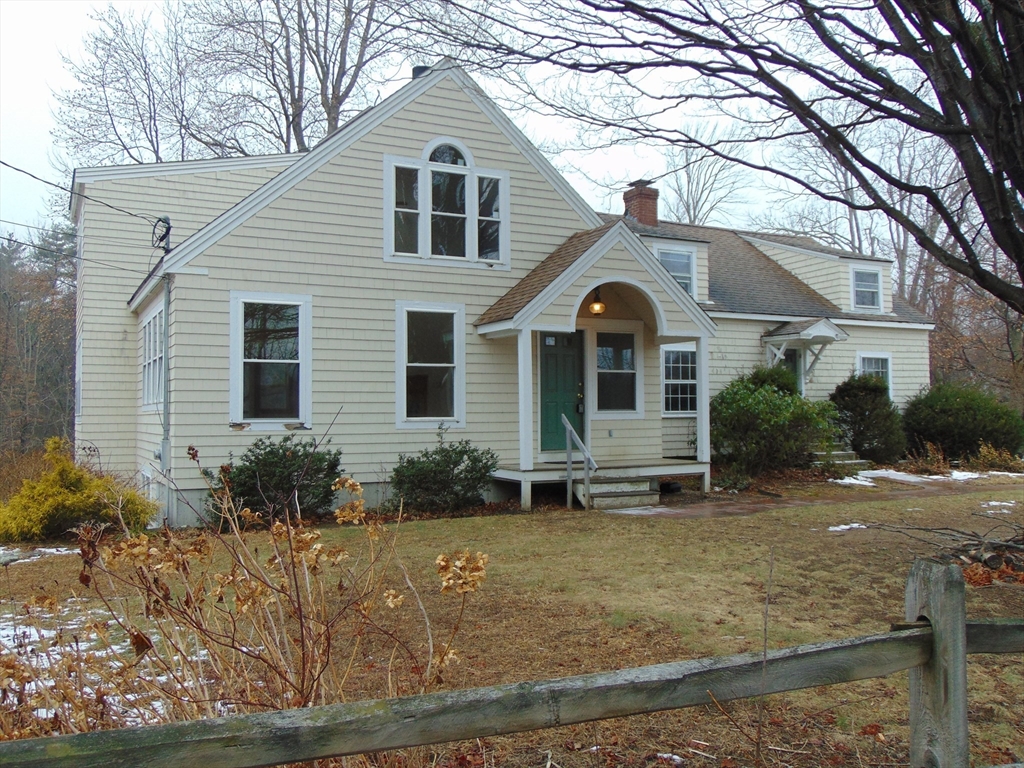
(679,264)
(430,365)
(271,371)
(153,358)
(442,206)
(679,379)
(867,289)
(876,364)
(616,357)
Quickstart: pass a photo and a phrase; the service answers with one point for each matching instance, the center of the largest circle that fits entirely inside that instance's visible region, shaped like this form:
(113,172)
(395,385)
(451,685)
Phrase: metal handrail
(588,464)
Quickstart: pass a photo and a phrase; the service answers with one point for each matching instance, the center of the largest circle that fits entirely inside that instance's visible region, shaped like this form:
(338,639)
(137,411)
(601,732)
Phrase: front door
(561,387)
(794,360)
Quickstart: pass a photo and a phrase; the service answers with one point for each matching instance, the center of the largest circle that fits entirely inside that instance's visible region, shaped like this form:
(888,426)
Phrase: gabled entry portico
(601,370)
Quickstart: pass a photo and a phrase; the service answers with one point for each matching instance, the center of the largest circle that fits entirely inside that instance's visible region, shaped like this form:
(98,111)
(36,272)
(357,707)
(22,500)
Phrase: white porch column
(525,399)
(703,402)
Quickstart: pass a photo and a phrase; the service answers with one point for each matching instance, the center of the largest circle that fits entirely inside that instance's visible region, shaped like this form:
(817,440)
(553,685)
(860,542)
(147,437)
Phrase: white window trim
(402,308)
(686,346)
(157,402)
(659,247)
(473,173)
(854,269)
(593,327)
(235,366)
(884,355)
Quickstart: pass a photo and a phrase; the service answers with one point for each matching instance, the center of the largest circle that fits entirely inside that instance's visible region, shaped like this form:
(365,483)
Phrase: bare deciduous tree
(949,72)
(216,78)
(702,183)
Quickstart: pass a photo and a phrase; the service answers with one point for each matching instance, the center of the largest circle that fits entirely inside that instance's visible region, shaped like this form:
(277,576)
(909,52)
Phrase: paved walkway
(723,506)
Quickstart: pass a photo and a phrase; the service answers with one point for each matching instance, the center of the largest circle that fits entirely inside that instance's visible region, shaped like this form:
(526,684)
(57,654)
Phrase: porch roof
(541,276)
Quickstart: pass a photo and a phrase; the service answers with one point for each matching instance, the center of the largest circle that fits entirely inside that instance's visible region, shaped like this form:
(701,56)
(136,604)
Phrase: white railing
(588,464)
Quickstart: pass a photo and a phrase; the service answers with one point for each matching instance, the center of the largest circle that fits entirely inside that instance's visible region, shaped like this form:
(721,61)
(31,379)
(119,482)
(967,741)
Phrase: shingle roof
(541,276)
(787,329)
(810,244)
(743,279)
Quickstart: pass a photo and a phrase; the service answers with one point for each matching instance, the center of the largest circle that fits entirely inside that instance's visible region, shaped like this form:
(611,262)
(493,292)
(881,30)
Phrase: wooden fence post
(938,689)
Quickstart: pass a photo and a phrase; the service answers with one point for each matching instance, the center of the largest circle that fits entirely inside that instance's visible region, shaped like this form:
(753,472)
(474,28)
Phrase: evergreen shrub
(446,478)
(755,429)
(68,495)
(869,419)
(959,418)
(267,477)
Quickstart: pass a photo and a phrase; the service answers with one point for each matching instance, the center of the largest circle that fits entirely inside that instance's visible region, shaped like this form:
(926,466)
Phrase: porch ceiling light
(597,306)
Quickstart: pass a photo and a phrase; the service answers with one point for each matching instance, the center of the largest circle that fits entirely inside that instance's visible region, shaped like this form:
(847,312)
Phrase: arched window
(442,206)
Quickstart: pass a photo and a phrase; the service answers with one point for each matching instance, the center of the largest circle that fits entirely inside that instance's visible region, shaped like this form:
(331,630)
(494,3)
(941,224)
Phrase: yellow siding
(678,437)
(117,255)
(325,238)
(737,349)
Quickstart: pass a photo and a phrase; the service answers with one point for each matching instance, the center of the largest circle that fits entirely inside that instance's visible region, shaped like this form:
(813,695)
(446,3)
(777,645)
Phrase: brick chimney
(641,201)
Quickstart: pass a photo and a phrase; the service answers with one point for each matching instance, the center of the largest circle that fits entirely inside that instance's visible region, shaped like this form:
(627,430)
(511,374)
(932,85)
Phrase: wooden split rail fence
(933,645)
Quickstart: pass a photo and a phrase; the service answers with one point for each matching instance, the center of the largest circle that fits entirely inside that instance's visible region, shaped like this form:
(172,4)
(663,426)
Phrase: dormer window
(463,220)
(867,289)
(681,263)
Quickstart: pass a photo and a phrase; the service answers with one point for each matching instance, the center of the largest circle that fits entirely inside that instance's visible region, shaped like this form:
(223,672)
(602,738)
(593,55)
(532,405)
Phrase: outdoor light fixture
(597,306)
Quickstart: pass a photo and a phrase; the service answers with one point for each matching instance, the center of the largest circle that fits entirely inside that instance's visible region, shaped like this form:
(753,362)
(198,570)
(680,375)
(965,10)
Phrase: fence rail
(247,741)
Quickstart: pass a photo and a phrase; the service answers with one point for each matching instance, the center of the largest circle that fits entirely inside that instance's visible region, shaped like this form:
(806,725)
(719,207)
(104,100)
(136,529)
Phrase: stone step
(623,499)
(835,456)
(604,483)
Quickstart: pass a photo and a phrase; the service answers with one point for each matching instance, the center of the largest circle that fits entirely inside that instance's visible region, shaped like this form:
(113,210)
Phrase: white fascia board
(524,145)
(886,324)
(311,162)
(619,233)
(151,283)
(722,315)
(497,330)
(753,239)
(144,170)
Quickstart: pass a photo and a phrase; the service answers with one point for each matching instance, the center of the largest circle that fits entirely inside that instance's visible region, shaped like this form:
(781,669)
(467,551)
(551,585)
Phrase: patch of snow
(672,758)
(892,474)
(11,555)
(999,503)
(956,474)
(641,511)
(847,527)
(853,481)
(1008,474)
(914,509)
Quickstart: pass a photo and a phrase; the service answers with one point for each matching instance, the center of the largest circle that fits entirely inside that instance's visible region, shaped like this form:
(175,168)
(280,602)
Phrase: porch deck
(554,472)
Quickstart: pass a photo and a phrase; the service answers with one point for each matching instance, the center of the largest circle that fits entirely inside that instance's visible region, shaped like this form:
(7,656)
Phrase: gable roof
(545,282)
(744,280)
(355,129)
(541,276)
(808,330)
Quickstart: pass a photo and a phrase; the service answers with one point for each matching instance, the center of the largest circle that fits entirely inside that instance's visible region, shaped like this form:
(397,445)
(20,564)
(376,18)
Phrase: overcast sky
(34,34)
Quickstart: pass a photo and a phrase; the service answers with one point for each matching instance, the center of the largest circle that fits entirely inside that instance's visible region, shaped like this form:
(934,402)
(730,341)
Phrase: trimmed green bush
(268,475)
(869,419)
(445,478)
(778,376)
(67,496)
(755,428)
(958,419)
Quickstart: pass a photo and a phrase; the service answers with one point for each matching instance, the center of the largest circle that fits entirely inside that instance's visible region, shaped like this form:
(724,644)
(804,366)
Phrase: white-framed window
(679,379)
(430,365)
(153,358)
(271,372)
(442,207)
(681,264)
(876,364)
(866,288)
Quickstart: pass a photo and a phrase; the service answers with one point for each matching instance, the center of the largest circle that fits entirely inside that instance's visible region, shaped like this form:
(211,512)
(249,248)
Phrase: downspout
(165,442)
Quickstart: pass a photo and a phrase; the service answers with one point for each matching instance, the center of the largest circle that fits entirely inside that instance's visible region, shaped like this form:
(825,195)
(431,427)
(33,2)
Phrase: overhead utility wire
(138,242)
(76,258)
(143,216)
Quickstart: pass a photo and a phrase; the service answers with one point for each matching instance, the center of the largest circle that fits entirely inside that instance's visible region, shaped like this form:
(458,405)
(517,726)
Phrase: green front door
(561,387)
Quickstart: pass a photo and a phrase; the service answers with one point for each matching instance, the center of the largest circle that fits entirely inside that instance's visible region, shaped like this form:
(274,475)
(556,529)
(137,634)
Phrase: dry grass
(574,592)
